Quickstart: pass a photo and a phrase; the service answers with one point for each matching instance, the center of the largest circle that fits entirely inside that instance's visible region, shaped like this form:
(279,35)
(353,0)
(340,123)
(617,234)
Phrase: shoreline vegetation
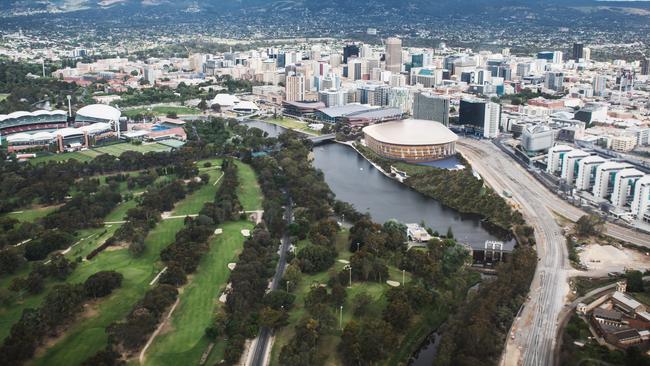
(475,334)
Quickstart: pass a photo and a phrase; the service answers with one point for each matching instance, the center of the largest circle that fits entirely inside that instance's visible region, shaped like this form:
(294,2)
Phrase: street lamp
(288,286)
(403,277)
(341,318)
(357,246)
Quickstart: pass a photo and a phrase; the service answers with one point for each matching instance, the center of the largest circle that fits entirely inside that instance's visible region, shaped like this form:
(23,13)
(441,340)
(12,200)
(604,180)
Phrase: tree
(338,295)
(273,318)
(361,302)
(589,225)
(398,313)
(450,234)
(203,105)
(102,283)
(634,281)
(174,275)
(279,299)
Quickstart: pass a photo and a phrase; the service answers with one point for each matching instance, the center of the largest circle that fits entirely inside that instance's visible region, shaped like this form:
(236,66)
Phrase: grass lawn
(31,214)
(90,154)
(81,156)
(118,149)
(161,111)
(292,124)
(185,343)
(249,191)
(87,336)
(194,202)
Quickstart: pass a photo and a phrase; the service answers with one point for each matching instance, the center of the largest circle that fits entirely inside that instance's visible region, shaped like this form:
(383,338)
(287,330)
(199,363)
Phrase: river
(354,180)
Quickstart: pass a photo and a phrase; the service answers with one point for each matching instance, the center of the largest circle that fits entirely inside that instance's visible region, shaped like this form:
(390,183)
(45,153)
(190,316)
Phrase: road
(260,345)
(535,328)
(533,333)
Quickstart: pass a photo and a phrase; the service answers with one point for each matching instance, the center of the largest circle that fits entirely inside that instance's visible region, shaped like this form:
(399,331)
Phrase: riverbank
(458,189)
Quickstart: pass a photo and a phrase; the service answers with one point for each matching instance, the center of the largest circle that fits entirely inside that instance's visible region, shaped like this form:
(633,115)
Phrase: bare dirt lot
(601,259)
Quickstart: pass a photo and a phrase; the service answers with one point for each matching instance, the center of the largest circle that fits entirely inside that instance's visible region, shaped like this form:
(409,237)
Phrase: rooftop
(411,132)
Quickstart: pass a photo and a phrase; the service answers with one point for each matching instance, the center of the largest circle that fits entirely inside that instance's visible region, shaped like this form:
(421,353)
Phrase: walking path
(160,327)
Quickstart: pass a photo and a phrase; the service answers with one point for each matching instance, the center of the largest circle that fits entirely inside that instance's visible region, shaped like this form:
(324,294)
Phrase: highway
(533,333)
(535,328)
(259,347)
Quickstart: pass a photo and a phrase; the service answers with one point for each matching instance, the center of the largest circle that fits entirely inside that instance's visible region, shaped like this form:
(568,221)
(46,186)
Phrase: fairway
(184,342)
(249,191)
(31,214)
(87,335)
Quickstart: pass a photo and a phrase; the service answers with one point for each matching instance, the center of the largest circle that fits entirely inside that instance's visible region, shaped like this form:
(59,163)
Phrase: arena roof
(100,111)
(411,132)
(21,114)
(225,100)
(339,111)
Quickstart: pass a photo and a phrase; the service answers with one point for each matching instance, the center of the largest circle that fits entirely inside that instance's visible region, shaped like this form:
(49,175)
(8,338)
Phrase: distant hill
(355,7)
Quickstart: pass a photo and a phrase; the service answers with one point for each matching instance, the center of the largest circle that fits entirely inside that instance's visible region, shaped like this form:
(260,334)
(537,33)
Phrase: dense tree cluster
(132,333)
(458,189)
(83,211)
(59,307)
(588,225)
(49,183)
(249,281)
(476,333)
(142,218)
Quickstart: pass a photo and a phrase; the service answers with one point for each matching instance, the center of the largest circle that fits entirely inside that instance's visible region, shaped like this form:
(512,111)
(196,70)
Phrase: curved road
(533,334)
(535,328)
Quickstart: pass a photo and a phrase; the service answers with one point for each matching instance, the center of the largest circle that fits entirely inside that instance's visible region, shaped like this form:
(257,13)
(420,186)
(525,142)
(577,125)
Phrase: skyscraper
(295,88)
(350,51)
(578,51)
(431,107)
(645,66)
(484,116)
(394,55)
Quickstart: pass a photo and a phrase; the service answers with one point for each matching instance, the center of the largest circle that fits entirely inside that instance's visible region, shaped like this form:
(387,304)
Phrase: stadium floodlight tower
(69,97)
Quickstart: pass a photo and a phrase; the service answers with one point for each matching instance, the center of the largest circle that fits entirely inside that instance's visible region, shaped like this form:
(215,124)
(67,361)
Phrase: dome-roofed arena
(411,140)
(98,113)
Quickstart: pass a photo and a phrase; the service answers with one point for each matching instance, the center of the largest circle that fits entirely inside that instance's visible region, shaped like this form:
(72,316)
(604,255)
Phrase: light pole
(288,286)
(341,318)
(403,277)
(357,246)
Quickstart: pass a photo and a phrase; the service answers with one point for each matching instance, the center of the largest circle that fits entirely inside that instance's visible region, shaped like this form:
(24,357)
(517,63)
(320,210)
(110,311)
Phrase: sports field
(118,149)
(115,150)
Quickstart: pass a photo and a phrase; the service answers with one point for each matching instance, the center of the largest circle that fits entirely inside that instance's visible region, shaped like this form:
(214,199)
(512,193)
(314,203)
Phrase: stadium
(50,129)
(411,140)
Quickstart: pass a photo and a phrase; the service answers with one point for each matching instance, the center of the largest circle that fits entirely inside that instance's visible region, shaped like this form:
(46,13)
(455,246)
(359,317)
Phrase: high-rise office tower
(645,66)
(394,55)
(578,51)
(295,88)
(554,81)
(431,107)
(351,50)
(484,115)
(599,84)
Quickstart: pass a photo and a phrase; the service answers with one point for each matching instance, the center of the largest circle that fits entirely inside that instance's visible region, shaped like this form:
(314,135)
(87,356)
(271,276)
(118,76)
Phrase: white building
(295,88)
(641,202)
(605,177)
(555,157)
(586,176)
(570,165)
(624,183)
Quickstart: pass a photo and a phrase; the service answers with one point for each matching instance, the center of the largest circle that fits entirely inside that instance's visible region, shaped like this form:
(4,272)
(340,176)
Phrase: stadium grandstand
(17,122)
